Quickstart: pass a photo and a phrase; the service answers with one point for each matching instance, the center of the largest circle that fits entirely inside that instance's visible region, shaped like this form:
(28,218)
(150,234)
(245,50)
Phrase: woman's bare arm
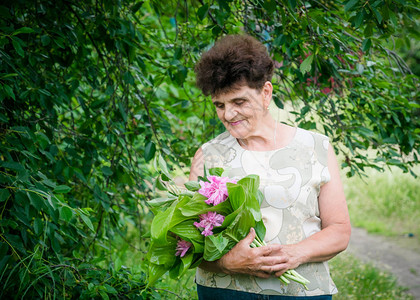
(335,226)
(197,165)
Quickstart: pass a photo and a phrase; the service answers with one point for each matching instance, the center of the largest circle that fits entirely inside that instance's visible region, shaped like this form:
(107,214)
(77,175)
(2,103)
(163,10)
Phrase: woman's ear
(267,93)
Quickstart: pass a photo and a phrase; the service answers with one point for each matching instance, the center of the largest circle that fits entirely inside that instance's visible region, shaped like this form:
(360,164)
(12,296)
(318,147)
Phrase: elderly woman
(304,209)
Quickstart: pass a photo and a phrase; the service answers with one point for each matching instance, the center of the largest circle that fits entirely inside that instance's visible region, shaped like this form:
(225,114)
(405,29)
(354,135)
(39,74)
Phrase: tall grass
(184,288)
(386,203)
(356,280)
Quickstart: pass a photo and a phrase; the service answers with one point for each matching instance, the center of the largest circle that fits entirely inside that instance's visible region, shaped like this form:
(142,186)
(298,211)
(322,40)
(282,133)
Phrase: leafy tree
(92,91)
(76,138)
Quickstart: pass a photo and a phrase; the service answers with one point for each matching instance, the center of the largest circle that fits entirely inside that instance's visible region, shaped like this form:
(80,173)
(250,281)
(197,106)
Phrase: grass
(356,280)
(385,203)
(184,288)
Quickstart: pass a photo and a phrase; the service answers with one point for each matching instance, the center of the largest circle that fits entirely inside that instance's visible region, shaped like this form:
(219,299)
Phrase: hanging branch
(101,56)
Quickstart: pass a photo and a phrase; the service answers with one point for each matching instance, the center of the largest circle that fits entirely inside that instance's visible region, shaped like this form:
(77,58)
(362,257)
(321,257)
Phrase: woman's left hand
(288,257)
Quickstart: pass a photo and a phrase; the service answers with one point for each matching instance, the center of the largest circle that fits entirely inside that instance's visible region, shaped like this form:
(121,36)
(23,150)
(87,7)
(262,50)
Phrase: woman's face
(243,110)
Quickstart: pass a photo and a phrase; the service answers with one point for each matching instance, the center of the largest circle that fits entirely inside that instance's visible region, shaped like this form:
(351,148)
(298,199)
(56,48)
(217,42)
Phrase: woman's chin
(238,131)
(237,134)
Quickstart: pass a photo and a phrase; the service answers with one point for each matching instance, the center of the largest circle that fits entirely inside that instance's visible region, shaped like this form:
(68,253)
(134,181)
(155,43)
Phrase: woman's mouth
(235,123)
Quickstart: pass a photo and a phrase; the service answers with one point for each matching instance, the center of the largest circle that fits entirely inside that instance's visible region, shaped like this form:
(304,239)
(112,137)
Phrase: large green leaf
(250,183)
(182,267)
(154,273)
(237,196)
(252,204)
(216,171)
(18,47)
(260,229)
(215,247)
(161,223)
(167,219)
(163,253)
(349,5)
(197,206)
(240,228)
(38,226)
(247,201)
(187,231)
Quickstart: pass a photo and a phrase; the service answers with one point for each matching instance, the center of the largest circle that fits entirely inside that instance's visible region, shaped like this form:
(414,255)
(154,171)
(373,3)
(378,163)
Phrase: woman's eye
(239,103)
(219,105)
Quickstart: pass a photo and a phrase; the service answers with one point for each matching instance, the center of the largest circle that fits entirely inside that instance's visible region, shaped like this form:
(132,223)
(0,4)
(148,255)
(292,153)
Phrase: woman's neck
(264,139)
(276,136)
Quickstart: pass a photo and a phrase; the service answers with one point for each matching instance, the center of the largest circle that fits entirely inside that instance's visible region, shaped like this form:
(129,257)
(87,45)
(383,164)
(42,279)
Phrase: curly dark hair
(234,61)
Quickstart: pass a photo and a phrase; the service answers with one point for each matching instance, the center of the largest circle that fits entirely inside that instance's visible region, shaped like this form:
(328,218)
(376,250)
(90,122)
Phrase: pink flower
(208,221)
(215,190)
(182,248)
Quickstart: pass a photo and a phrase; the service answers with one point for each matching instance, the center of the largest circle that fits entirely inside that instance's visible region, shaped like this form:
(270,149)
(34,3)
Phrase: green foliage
(81,99)
(92,91)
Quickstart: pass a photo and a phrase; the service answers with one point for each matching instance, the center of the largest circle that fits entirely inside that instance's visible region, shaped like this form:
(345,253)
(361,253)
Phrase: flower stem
(284,279)
(295,276)
(257,243)
(262,243)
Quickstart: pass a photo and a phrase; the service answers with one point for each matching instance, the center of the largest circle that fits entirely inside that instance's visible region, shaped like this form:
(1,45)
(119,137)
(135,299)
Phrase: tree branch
(101,56)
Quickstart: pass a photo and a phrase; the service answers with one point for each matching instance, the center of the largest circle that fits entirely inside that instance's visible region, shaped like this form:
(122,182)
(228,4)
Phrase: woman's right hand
(252,261)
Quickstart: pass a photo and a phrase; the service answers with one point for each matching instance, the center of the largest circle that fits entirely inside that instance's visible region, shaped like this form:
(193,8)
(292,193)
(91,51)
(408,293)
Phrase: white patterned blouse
(290,179)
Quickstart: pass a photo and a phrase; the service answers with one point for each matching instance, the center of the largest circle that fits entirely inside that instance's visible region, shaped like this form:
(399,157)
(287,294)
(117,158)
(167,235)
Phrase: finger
(276,248)
(279,273)
(263,251)
(271,264)
(262,274)
(274,269)
(273,260)
(250,237)
(270,250)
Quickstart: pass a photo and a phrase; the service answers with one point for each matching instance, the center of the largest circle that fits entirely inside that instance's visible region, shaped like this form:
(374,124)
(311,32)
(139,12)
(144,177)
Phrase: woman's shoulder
(223,138)
(304,134)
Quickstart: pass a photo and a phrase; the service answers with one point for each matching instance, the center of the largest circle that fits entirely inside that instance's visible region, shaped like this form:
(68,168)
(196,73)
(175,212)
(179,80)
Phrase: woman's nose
(230,113)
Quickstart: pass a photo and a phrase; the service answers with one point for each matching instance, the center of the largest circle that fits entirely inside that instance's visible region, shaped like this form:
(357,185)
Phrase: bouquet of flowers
(205,221)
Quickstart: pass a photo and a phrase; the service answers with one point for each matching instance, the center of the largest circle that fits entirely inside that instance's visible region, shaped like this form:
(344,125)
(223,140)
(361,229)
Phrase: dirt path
(400,255)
